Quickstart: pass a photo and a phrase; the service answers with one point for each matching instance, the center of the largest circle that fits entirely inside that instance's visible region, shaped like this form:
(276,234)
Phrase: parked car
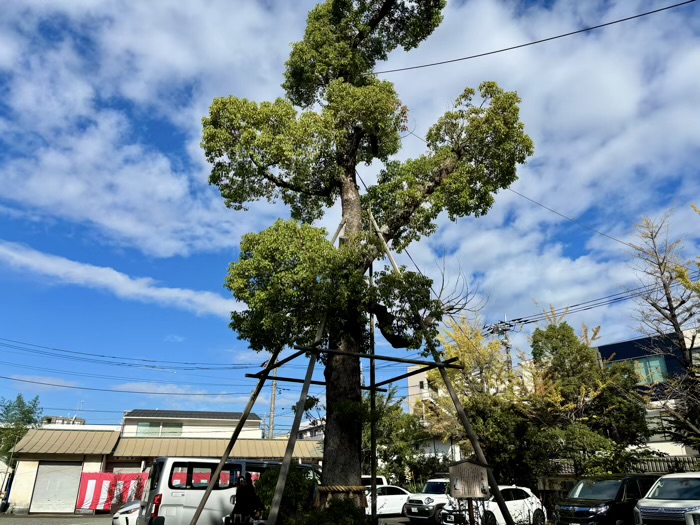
(604,500)
(427,504)
(673,500)
(379,480)
(390,499)
(176,485)
(523,505)
(127,514)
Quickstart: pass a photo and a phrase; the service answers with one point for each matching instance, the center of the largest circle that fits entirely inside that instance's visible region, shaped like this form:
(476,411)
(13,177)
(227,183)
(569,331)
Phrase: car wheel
(403,511)
(437,516)
(538,517)
(489,519)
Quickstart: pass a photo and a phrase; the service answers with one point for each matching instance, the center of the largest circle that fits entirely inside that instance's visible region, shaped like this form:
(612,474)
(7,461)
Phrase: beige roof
(212,448)
(67,442)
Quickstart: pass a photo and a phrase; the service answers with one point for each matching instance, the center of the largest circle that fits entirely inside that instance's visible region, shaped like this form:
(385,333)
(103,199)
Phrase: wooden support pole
(239,427)
(458,405)
(287,461)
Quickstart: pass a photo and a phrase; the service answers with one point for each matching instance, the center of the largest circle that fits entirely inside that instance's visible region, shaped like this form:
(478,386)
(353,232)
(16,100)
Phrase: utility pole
(271,425)
(502,330)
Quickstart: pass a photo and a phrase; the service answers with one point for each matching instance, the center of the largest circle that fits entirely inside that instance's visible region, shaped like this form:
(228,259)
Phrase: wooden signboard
(469,480)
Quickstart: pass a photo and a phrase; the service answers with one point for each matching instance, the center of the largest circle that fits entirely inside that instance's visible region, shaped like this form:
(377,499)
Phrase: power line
(124,391)
(131,379)
(553,210)
(511,48)
(573,220)
(110,359)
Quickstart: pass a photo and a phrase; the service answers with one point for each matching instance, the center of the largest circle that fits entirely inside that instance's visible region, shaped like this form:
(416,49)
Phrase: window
(197,476)
(632,489)
(519,494)
(507,494)
(651,370)
(147,429)
(158,429)
(421,385)
(394,491)
(171,429)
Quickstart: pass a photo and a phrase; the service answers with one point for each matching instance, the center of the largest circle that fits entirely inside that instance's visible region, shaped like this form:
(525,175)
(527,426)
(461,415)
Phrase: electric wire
(534,42)
(56,385)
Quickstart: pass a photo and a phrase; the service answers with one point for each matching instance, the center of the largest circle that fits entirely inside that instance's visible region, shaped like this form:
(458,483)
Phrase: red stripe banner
(102,490)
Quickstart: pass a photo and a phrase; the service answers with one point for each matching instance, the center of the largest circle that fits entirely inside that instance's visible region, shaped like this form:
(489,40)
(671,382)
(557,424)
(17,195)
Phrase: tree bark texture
(342,451)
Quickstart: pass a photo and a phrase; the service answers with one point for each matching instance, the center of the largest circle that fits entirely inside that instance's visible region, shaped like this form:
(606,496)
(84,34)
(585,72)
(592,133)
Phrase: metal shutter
(56,487)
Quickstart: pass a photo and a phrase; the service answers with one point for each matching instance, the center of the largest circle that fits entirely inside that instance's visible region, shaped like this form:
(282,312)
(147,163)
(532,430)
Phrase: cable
(511,48)
(552,210)
(573,220)
(122,361)
(123,391)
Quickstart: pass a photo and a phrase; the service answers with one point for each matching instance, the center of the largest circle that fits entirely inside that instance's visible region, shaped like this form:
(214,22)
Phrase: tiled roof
(271,449)
(39,441)
(188,414)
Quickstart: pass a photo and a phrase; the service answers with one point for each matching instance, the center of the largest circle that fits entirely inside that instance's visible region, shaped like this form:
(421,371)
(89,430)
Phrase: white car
(672,500)
(523,505)
(390,499)
(127,514)
(427,504)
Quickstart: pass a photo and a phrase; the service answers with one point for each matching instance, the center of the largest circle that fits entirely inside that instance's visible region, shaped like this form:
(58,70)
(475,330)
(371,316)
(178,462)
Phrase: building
(419,391)
(655,359)
(66,468)
(312,430)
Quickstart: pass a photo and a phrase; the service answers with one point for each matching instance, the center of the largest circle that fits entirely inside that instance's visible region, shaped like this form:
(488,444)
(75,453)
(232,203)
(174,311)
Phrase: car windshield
(676,488)
(435,487)
(600,489)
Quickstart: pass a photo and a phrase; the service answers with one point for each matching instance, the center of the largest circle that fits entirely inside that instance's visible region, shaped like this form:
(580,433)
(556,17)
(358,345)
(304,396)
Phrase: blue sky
(113,244)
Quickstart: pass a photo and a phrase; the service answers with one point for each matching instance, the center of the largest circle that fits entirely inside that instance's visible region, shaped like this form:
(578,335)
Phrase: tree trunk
(342,451)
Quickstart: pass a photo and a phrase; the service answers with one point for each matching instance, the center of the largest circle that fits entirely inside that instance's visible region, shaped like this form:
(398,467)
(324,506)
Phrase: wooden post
(458,405)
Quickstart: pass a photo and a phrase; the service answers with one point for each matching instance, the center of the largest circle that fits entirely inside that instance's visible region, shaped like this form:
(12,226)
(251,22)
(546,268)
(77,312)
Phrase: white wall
(4,474)
(415,392)
(201,429)
(23,486)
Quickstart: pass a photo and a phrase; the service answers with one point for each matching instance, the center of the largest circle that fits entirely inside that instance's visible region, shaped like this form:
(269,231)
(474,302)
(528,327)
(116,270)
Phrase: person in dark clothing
(248,504)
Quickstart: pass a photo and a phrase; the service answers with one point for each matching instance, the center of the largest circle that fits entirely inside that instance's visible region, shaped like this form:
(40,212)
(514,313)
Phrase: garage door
(56,487)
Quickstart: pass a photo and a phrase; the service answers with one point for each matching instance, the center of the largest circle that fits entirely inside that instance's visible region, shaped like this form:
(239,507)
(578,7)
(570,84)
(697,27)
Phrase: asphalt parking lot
(38,519)
(41,519)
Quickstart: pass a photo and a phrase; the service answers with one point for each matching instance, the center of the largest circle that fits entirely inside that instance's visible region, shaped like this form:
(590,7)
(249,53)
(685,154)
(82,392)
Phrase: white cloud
(613,113)
(142,289)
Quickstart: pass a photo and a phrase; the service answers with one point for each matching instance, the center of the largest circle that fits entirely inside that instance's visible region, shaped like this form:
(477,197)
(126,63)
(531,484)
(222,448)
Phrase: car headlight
(429,500)
(600,509)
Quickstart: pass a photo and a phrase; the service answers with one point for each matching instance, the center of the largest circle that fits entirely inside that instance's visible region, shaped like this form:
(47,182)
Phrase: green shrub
(298,493)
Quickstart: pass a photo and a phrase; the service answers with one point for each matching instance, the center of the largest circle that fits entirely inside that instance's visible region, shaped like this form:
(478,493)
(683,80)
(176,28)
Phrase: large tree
(304,149)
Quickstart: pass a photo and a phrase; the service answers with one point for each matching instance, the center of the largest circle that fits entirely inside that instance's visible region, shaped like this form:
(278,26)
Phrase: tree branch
(384,10)
(286,185)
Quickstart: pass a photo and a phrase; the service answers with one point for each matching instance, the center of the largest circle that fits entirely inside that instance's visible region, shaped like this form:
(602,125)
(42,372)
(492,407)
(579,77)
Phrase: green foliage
(16,418)
(405,308)
(473,152)
(344,39)
(399,436)
(298,493)
(285,274)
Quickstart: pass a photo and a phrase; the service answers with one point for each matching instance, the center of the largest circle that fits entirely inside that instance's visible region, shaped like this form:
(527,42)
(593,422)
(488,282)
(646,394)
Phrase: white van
(175,487)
